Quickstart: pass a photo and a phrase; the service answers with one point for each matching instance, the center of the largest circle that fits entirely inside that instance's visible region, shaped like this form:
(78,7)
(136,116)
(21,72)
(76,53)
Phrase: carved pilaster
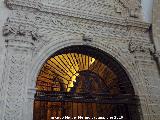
(143,53)
(15,85)
(20,42)
(156,28)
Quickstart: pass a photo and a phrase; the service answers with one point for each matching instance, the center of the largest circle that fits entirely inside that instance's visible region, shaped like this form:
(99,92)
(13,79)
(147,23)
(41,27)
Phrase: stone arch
(124,60)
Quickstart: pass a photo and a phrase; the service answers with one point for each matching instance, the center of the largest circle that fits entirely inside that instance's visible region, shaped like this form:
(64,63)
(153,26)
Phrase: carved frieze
(63,15)
(117,28)
(30,28)
(22,35)
(116,8)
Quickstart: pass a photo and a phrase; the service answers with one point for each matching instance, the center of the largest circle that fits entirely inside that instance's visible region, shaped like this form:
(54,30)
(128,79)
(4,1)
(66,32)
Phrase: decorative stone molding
(117,8)
(156,29)
(140,46)
(117,28)
(22,34)
(30,29)
(15,88)
(30,93)
(36,24)
(157,54)
(87,38)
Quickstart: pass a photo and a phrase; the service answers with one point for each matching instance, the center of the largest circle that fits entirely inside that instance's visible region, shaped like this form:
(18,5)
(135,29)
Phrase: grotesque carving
(22,33)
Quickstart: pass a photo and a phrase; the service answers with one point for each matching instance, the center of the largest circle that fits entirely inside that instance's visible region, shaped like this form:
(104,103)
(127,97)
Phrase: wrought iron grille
(82,81)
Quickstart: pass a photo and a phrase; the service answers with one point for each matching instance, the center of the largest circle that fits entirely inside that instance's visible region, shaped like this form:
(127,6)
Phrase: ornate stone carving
(117,8)
(28,28)
(134,7)
(13,29)
(19,34)
(15,90)
(113,28)
(87,38)
(157,54)
(156,25)
(140,46)
(156,29)
(33,22)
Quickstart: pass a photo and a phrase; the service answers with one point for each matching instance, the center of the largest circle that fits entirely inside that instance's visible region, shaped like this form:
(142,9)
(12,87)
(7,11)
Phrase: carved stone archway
(36,29)
(129,66)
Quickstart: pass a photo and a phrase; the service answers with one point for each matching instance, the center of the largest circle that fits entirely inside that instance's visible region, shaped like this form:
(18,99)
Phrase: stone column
(19,40)
(148,71)
(156,28)
(15,82)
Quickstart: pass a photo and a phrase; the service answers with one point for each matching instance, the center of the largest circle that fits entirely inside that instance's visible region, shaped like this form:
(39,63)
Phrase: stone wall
(35,29)
(156,39)
(5,12)
(156,27)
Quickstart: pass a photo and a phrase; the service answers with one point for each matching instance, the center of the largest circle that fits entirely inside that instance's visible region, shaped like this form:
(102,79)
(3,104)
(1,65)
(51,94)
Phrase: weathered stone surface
(35,29)
(156,28)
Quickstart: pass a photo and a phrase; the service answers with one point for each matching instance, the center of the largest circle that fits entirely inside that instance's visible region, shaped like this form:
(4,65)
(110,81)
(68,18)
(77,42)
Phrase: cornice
(38,6)
(27,23)
(72,24)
